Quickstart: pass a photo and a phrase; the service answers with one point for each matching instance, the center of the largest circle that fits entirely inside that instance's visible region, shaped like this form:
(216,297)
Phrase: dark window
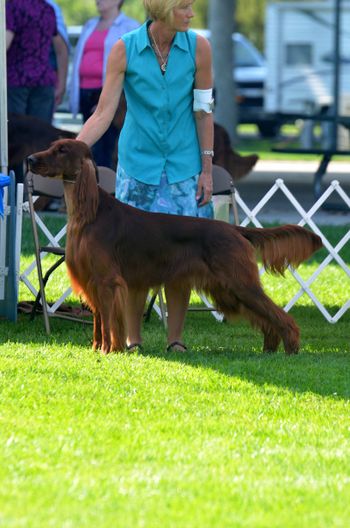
(299,55)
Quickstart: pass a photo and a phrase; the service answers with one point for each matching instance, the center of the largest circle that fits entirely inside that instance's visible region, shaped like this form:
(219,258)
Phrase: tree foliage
(249,19)
(249,14)
(78,11)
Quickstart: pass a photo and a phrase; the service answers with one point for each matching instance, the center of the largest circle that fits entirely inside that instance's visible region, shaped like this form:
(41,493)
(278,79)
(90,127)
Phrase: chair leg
(45,279)
(37,257)
(148,312)
(161,309)
(234,206)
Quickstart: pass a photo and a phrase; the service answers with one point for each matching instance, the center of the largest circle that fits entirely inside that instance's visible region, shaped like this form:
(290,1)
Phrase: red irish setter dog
(112,247)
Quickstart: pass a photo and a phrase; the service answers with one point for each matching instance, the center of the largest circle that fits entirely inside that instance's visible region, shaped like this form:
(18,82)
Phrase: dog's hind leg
(254,305)
(271,338)
(272,320)
(228,304)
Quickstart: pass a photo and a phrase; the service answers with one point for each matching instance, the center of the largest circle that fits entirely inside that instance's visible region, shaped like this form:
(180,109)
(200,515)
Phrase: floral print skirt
(177,198)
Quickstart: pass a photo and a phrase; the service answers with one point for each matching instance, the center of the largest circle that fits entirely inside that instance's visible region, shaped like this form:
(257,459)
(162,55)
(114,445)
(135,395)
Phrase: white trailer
(299,50)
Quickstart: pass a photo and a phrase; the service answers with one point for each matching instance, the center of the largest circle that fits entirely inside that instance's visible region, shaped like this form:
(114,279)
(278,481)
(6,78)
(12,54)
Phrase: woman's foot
(176,346)
(134,347)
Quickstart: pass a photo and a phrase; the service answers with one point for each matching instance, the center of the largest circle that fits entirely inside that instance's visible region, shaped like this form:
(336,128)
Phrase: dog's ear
(86,192)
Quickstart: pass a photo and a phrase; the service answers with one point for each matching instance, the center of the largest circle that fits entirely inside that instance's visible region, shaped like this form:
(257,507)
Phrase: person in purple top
(33,85)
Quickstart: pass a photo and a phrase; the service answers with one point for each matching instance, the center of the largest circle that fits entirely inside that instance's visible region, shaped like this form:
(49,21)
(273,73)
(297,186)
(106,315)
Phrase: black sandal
(172,346)
(134,347)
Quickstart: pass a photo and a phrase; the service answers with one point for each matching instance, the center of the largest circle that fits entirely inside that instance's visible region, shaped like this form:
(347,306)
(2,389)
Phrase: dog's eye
(62,149)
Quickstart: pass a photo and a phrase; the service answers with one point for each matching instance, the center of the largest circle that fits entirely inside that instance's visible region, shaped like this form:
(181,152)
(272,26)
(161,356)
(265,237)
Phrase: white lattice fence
(306,218)
(251,216)
(55,240)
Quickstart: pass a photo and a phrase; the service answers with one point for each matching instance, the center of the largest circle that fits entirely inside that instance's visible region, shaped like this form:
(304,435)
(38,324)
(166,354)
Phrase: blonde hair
(161,9)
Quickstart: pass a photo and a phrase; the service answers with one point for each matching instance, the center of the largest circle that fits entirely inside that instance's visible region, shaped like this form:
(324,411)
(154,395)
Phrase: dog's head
(64,159)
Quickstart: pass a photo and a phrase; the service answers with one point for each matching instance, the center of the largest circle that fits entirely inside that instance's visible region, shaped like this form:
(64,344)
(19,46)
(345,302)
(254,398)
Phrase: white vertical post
(3,92)
(3,231)
(3,143)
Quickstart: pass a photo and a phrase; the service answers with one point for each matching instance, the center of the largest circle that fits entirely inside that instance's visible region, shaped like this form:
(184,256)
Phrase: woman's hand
(204,188)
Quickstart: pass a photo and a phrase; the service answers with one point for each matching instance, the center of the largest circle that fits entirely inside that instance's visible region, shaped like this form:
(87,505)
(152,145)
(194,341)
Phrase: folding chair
(106,179)
(224,200)
(225,209)
(39,186)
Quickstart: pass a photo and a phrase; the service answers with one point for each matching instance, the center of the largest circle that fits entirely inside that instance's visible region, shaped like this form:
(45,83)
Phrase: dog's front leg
(97,335)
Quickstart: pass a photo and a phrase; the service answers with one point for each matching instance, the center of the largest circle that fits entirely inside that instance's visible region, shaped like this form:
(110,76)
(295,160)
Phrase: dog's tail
(279,247)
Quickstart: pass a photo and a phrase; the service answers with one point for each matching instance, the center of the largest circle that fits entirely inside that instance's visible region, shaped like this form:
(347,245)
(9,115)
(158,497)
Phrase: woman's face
(182,16)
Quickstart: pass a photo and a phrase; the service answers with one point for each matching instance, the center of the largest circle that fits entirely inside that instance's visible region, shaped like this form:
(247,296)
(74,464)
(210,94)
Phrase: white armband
(203,100)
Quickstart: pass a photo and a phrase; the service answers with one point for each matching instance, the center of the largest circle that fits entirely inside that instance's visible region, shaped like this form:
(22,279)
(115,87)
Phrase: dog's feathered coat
(112,247)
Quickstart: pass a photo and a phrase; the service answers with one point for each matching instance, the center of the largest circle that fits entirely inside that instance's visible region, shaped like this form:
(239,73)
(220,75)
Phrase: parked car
(249,72)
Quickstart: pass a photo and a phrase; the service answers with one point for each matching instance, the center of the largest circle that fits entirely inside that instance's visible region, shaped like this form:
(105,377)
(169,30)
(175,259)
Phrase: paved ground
(298,177)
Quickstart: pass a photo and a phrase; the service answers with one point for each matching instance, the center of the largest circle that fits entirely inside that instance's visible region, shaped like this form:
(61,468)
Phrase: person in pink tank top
(89,66)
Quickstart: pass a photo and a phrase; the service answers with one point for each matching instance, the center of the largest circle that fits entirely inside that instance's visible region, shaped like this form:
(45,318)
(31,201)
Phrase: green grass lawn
(220,436)
(250,142)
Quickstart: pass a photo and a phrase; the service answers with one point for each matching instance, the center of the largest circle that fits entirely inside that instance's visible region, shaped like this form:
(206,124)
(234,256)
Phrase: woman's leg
(177,304)
(134,310)
(17,99)
(41,102)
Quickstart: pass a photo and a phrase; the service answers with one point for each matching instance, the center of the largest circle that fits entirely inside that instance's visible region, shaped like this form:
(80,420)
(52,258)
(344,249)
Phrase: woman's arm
(204,120)
(100,120)
(61,52)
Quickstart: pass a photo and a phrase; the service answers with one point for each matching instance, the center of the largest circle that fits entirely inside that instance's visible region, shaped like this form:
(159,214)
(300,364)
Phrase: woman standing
(166,144)
(98,36)
(34,87)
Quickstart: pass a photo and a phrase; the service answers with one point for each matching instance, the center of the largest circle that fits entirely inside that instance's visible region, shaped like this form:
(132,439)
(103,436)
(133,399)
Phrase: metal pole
(3,92)
(336,72)
(37,251)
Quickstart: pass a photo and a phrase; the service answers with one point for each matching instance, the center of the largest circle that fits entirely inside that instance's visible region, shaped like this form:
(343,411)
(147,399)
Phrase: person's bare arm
(9,38)
(204,121)
(61,51)
(100,120)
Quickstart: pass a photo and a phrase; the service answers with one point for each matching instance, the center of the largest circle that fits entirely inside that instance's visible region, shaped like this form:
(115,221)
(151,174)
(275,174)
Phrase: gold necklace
(163,60)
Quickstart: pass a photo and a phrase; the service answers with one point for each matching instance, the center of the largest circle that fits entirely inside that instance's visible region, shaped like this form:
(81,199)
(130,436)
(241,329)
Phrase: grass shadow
(321,367)
(232,350)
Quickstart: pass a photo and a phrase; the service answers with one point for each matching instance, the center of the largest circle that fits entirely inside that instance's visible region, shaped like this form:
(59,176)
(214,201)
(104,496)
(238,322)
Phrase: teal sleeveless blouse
(159,132)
